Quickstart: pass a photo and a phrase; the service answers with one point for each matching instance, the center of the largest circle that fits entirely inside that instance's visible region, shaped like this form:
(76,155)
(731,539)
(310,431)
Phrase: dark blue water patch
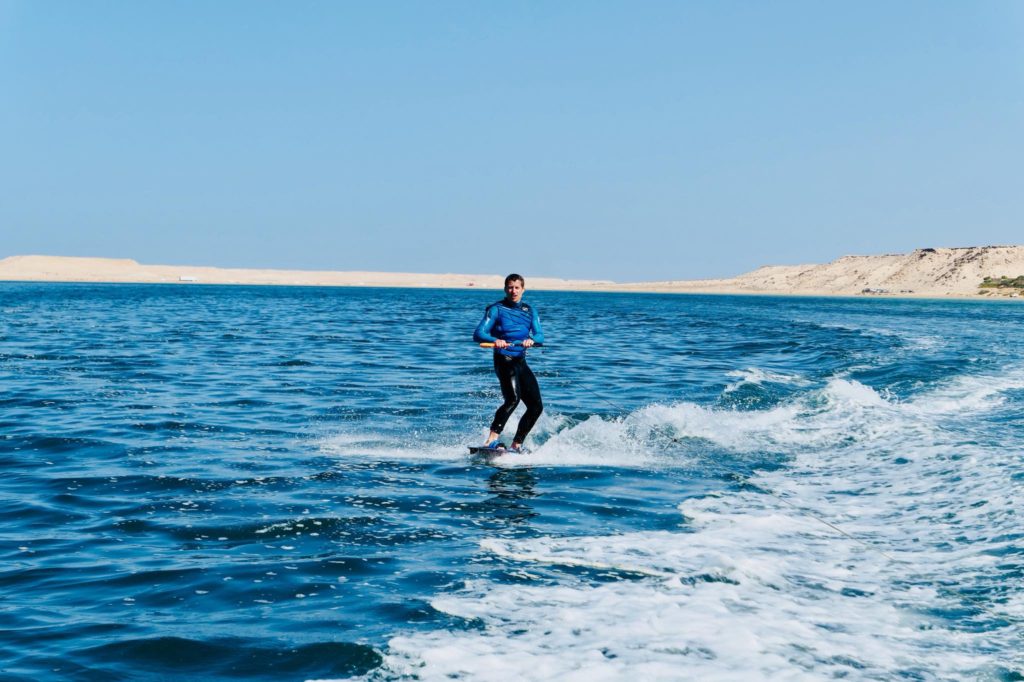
(56,446)
(19,403)
(229,659)
(242,403)
(34,630)
(295,362)
(28,514)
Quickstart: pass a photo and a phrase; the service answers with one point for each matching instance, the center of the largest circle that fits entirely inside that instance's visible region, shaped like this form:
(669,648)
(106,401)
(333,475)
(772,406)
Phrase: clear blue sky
(621,140)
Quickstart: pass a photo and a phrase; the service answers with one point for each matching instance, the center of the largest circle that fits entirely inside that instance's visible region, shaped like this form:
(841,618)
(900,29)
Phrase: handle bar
(488,344)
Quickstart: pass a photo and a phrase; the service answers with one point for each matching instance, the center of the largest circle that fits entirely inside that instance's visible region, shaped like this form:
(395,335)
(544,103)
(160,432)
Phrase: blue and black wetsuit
(513,322)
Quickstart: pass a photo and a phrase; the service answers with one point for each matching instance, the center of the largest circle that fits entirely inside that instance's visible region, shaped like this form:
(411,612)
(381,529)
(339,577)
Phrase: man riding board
(512,326)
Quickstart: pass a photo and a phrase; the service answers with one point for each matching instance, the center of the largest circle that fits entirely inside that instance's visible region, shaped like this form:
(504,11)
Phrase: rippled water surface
(270,483)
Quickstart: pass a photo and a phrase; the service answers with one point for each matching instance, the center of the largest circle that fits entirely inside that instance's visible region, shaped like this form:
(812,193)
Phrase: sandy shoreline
(124,270)
(925,273)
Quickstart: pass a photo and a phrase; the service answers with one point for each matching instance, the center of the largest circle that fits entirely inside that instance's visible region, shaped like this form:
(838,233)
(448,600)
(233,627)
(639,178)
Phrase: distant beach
(73,269)
(923,273)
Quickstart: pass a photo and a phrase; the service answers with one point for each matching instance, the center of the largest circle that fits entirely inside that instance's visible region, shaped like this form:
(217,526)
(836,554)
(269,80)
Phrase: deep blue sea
(272,483)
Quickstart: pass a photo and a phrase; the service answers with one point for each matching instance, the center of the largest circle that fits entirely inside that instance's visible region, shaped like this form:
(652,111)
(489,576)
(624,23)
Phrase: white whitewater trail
(757,586)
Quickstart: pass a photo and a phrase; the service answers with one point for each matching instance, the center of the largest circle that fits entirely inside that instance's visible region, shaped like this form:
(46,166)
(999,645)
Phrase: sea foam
(842,563)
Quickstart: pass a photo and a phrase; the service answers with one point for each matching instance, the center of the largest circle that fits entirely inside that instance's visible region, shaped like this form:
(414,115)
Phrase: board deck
(494,452)
(481,450)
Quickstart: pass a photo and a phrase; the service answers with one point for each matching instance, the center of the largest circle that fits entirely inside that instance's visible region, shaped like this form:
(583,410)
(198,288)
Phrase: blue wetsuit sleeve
(483,330)
(536,333)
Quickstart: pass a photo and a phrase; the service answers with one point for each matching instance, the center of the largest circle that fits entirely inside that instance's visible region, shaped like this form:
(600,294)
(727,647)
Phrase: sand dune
(924,272)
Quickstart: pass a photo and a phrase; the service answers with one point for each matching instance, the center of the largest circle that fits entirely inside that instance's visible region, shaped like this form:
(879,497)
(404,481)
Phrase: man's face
(514,291)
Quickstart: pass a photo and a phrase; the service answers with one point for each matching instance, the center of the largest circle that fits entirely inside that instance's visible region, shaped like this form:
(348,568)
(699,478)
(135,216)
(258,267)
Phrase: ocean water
(261,483)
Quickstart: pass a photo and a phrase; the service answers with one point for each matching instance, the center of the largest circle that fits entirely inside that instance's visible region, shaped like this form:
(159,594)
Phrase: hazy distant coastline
(929,272)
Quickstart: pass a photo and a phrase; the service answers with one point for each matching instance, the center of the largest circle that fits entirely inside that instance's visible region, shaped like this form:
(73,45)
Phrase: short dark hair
(514,278)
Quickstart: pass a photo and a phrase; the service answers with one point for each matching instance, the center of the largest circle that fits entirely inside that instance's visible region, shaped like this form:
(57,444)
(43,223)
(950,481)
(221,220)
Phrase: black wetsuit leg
(504,368)
(529,391)
(517,383)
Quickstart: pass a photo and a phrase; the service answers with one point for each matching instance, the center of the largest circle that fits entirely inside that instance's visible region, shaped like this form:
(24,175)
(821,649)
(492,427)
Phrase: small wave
(65,444)
(294,363)
(175,426)
(757,377)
